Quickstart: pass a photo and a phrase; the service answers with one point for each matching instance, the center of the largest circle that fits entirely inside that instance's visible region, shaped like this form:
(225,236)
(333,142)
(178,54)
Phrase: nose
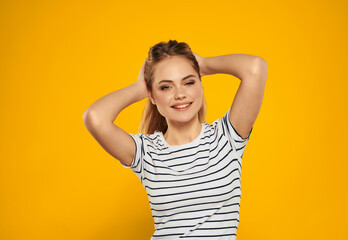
(179,94)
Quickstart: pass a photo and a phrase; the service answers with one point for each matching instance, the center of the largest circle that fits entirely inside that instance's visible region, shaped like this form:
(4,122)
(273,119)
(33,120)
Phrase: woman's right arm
(99,118)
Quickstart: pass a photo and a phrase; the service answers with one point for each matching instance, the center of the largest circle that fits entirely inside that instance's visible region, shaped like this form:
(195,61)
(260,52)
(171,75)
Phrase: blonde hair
(151,119)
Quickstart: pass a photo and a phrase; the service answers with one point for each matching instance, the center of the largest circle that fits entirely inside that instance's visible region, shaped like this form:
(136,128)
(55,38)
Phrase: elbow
(89,119)
(259,65)
(260,68)
(84,116)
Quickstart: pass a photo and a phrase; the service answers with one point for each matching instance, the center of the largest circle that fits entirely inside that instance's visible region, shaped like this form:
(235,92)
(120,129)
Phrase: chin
(183,119)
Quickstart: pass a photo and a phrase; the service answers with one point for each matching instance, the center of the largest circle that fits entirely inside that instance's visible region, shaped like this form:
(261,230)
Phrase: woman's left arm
(252,71)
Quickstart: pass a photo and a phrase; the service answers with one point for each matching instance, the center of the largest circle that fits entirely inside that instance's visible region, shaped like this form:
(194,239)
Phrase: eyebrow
(188,76)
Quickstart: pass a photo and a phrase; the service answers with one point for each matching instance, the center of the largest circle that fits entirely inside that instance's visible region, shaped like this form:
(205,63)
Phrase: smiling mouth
(182,106)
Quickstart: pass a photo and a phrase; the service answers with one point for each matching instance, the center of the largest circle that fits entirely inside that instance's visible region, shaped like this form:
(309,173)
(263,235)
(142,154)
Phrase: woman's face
(176,82)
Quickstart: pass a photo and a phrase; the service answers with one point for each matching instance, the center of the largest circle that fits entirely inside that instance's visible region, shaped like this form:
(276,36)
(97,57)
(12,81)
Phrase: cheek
(198,95)
(198,92)
(164,98)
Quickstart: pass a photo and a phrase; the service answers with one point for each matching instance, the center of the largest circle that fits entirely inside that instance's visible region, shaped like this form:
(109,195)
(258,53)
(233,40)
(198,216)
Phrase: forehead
(173,68)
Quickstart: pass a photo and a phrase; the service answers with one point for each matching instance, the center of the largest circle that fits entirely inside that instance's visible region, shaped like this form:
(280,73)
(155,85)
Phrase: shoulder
(153,141)
(212,129)
(217,125)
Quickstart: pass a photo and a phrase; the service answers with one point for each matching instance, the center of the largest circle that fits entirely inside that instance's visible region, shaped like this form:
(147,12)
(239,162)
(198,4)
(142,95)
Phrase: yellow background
(58,57)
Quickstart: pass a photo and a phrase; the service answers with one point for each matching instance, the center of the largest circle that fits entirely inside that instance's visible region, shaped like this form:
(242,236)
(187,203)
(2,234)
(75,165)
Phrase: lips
(181,105)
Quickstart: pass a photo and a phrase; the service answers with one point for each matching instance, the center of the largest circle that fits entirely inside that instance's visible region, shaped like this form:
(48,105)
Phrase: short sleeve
(238,143)
(138,162)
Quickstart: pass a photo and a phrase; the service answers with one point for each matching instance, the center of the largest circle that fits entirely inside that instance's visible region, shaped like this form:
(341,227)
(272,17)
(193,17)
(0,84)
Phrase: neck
(182,133)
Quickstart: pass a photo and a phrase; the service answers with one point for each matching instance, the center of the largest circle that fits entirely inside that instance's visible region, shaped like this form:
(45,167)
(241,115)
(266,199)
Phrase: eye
(164,87)
(190,83)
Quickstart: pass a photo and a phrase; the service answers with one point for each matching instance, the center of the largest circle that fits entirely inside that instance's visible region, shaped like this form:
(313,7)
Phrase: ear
(151,97)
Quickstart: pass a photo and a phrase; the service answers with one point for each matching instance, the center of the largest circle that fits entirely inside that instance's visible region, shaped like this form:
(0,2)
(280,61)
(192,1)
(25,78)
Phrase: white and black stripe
(193,189)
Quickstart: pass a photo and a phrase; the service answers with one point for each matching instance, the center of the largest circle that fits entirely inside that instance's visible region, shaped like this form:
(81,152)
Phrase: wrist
(141,91)
(204,68)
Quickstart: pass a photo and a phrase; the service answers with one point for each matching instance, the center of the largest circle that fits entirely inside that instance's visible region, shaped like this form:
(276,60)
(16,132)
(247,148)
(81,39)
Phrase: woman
(190,169)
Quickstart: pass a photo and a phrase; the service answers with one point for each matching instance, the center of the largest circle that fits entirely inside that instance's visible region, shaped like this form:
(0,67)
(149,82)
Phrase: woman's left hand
(200,61)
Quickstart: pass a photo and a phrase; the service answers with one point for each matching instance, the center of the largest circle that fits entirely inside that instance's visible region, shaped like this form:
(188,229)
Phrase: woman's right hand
(141,81)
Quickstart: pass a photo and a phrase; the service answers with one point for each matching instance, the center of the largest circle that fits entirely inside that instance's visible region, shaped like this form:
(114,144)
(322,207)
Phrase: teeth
(181,106)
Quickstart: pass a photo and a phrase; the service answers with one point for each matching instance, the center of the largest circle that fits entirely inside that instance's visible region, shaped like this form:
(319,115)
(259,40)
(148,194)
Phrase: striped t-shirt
(194,189)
